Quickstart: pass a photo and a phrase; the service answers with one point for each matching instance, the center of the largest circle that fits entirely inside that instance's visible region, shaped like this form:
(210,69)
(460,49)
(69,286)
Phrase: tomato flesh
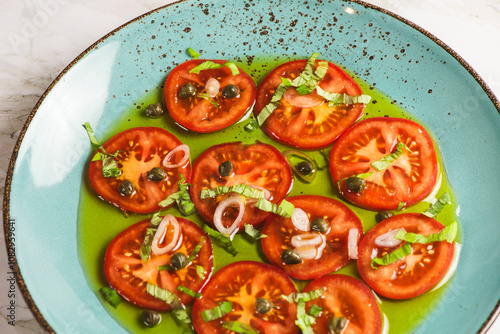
(128,274)
(241,283)
(280,230)
(416,273)
(140,150)
(200,114)
(258,165)
(306,121)
(345,296)
(408,180)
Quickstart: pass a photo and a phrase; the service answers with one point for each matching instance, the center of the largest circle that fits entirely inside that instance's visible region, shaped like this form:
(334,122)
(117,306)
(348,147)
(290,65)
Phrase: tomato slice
(348,297)
(241,283)
(414,274)
(259,165)
(306,121)
(280,231)
(407,180)
(128,274)
(140,150)
(200,114)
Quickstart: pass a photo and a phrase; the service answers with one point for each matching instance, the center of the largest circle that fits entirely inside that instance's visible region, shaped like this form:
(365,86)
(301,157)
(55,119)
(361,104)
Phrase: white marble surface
(38,38)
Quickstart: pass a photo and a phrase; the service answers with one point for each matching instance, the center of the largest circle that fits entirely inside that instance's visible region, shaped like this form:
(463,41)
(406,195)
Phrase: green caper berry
(178,261)
(383,215)
(150,318)
(154,110)
(126,188)
(336,325)
(230,91)
(290,257)
(355,184)
(262,305)
(305,167)
(187,91)
(320,225)
(225,168)
(156,174)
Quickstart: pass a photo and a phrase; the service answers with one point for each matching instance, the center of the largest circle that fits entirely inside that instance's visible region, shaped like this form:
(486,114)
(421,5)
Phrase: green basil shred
(181,197)
(193,53)
(253,232)
(449,233)
(210,65)
(387,160)
(391,257)
(241,189)
(111,296)
(145,249)
(217,312)
(305,320)
(239,327)
(436,207)
(284,209)
(189,292)
(109,166)
(225,241)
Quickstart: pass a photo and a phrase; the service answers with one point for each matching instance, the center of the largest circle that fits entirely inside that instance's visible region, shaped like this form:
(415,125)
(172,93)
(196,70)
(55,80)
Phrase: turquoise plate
(410,65)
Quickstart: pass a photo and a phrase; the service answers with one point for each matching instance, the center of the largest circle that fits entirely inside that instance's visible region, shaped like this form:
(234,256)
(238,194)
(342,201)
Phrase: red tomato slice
(199,114)
(258,165)
(307,121)
(347,297)
(140,149)
(128,274)
(241,283)
(407,180)
(280,230)
(414,274)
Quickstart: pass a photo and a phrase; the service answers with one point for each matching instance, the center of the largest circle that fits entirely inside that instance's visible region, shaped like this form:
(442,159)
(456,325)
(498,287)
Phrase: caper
(355,184)
(305,167)
(126,188)
(230,91)
(154,110)
(225,168)
(336,325)
(156,174)
(187,91)
(178,261)
(262,305)
(319,225)
(290,257)
(150,318)
(383,215)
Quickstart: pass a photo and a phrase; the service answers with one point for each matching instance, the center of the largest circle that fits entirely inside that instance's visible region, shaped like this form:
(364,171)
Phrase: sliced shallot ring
(352,243)
(230,201)
(387,239)
(300,220)
(321,247)
(212,87)
(309,245)
(302,101)
(306,253)
(160,235)
(184,160)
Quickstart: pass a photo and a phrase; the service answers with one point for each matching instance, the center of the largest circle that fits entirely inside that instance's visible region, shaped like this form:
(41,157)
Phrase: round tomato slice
(407,180)
(258,165)
(306,121)
(139,151)
(128,274)
(334,253)
(241,283)
(414,274)
(348,297)
(200,113)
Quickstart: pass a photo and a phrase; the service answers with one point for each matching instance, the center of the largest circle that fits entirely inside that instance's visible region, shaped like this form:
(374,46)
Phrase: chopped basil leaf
(155,219)
(145,250)
(387,160)
(285,209)
(401,205)
(109,166)
(226,242)
(209,98)
(278,94)
(201,272)
(449,233)
(437,206)
(295,297)
(335,99)
(392,257)
(252,125)
(189,292)
(166,267)
(111,296)
(232,67)
(210,65)
(241,189)
(304,320)
(166,295)
(239,327)
(181,197)
(315,310)
(217,312)
(253,232)
(196,250)
(193,54)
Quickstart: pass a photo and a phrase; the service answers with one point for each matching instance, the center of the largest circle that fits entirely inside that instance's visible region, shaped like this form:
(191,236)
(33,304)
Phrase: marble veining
(40,37)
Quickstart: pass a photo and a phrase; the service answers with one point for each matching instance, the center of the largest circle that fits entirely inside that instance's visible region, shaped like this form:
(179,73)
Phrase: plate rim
(495,313)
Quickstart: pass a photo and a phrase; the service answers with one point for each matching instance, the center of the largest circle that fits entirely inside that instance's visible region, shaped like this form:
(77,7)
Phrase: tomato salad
(235,190)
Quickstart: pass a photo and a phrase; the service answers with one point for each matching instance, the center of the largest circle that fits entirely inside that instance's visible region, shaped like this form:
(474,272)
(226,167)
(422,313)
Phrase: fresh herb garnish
(226,242)
(189,291)
(181,197)
(193,53)
(109,166)
(253,232)
(239,327)
(449,233)
(217,312)
(284,209)
(437,206)
(241,189)
(210,65)
(387,160)
(111,296)
(391,257)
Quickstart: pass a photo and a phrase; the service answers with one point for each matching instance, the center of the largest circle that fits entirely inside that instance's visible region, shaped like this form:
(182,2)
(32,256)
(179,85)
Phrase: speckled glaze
(418,71)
